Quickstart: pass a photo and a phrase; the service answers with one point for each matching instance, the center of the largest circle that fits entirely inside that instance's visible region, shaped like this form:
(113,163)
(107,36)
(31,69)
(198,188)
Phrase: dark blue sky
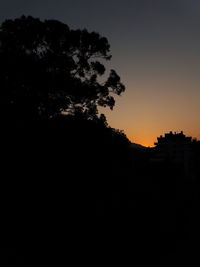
(155,47)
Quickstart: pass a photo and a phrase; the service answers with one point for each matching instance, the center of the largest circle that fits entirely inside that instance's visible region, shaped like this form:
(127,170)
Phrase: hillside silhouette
(69,178)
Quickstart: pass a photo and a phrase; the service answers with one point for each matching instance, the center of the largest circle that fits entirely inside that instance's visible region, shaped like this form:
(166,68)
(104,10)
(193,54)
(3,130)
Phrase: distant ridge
(138,146)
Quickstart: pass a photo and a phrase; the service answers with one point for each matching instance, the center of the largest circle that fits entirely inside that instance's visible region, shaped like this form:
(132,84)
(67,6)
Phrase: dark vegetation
(59,154)
(66,176)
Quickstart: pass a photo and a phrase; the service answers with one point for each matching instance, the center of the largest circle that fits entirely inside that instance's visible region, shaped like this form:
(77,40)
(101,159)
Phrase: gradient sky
(156,51)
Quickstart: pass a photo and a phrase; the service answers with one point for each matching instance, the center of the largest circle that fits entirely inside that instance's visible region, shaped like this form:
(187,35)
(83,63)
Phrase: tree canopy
(55,145)
(47,68)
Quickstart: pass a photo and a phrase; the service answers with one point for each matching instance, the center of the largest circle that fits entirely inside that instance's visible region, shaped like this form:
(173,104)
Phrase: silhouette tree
(54,142)
(47,68)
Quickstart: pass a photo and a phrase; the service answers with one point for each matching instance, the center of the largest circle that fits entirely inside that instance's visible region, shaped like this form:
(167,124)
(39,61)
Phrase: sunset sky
(156,51)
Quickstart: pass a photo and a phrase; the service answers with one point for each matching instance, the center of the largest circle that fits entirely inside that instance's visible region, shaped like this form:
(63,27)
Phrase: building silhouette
(175,149)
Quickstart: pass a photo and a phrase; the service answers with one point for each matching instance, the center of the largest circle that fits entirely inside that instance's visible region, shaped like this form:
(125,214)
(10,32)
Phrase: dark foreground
(92,207)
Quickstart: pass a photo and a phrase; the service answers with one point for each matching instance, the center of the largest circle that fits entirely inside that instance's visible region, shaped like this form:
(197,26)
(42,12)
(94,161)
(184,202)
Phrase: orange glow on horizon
(147,142)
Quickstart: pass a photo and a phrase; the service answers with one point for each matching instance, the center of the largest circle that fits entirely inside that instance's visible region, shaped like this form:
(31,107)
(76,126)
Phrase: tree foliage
(47,68)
